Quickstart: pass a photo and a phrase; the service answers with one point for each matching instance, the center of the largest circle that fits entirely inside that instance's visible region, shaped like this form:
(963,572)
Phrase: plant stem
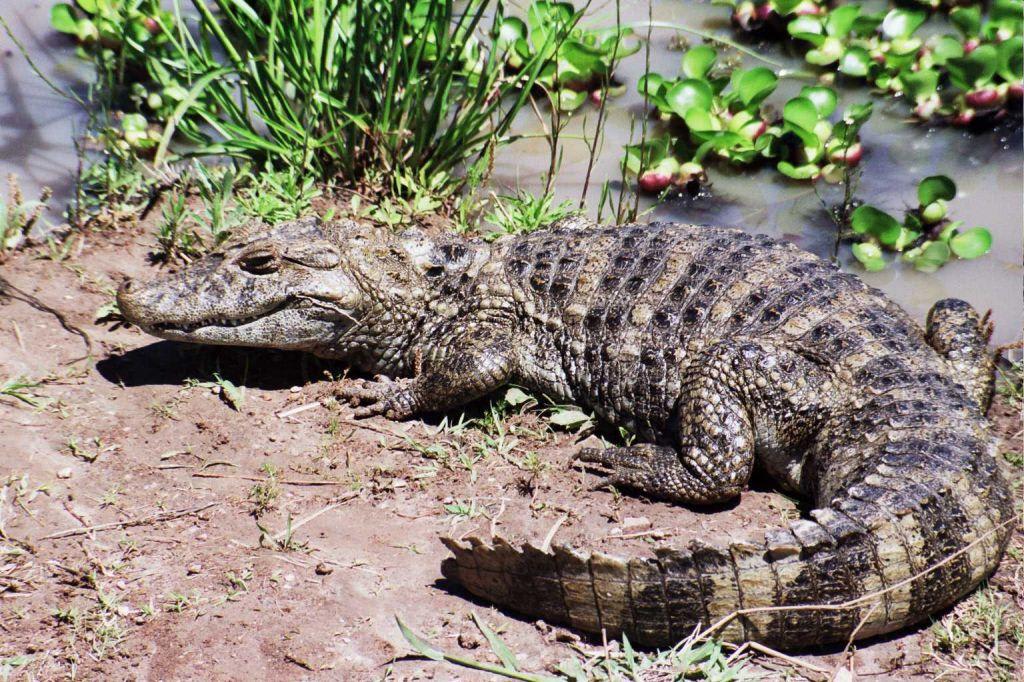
(649,24)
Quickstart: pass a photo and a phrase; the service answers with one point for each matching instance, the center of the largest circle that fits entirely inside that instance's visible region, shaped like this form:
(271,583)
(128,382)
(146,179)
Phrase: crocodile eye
(262,262)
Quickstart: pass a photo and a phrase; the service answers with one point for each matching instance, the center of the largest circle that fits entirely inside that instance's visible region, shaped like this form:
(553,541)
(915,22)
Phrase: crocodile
(720,350)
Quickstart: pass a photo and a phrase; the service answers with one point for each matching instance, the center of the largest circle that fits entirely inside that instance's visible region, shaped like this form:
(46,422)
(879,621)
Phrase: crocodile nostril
(126,287)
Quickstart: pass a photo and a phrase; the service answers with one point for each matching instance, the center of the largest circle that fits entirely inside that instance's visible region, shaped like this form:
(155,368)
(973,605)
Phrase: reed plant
(362,93)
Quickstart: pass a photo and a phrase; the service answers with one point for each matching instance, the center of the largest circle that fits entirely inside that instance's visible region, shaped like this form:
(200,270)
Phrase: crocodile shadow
(172,363)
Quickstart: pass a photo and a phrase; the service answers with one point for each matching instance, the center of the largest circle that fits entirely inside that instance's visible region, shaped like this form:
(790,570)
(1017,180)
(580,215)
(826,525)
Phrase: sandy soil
(138,431)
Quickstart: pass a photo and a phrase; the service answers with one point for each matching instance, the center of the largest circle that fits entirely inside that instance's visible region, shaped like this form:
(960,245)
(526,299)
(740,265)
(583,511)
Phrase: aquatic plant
(926,238)
(355,92)
(960,79)
(717,113)
(580,65)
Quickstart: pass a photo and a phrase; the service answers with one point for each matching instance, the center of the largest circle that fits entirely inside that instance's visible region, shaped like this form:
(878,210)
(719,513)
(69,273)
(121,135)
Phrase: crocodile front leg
(457,368)
(738,395)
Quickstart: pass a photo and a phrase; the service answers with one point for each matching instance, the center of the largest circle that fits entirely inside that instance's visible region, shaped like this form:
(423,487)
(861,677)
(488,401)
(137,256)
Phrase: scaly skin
(716,348)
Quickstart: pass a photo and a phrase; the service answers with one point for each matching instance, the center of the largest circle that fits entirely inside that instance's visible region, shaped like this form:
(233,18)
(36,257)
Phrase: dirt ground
(144,518)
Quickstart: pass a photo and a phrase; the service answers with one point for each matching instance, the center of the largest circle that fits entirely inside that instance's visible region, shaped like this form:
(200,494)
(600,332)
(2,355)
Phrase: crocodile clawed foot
(618,467)
(383,396)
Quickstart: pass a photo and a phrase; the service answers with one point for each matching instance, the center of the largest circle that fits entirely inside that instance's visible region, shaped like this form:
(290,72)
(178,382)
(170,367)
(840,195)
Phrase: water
(36,124)
(36,128)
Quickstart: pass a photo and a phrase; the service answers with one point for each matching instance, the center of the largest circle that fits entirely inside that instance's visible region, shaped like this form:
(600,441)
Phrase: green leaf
(800,112)
(970,244)
(63,19)
(901,23)
(699,120)
(858,114)
(856,61)
(804,172)
(500,649)
(824,99)
(869,255)
(933,255)
(422,647)
(967,20)
(687,94)
(806,27)
(698,61)
(1011,59)
(754,85)
(879,224)
(90,6)
(946,48)
(570,100)
(975,69)
(935,187)
(569,417)
(134,123)
(919,84)
(516,396)
(840,20)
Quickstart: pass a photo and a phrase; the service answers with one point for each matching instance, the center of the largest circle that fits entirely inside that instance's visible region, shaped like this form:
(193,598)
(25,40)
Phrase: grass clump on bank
(374,96)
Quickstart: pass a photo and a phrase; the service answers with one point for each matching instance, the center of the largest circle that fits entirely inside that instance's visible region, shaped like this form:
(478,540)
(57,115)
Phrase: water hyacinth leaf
(90,6)
(545,17)
(754,85)
(973,243)
(571,100)
(699,120)
(687,94)
(825,53)
(906,238)
(63,19)
(879,224)
(511,30)
(967,20)
(932,256)
(824,99)
(1011,59)
(901,23)
(946,48)
(722,141)
(856,61)
(804,172)
(800,112)
(974,69)
(935,187)
(919,84)
(869,255)
(867,24)
(807,27)
(858,114)
(698,61)
(840,20)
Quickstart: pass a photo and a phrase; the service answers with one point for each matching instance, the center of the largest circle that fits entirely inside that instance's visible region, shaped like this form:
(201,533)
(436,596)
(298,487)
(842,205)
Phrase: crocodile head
(301,285)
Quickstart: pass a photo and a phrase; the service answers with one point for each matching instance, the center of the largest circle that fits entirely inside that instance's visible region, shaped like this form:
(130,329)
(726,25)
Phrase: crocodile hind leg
(738,396)
(956,331)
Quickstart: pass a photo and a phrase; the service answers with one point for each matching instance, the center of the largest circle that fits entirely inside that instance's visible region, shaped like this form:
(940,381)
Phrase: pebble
(194,569)
(323,569)
(64,473)
(632,524)
(296,389)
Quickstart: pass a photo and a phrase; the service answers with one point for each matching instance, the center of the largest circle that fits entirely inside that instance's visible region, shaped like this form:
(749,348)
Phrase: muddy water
(36,124)
(36,128)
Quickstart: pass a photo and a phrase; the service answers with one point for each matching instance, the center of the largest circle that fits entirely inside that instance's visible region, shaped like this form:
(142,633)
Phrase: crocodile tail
(926,523)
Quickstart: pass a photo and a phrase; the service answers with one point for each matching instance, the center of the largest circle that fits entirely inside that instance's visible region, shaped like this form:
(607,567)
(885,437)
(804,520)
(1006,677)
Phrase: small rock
(296,389)
(323,569)
(633,524)
(467,640)
(64,473)
(399,483)
(194,569)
